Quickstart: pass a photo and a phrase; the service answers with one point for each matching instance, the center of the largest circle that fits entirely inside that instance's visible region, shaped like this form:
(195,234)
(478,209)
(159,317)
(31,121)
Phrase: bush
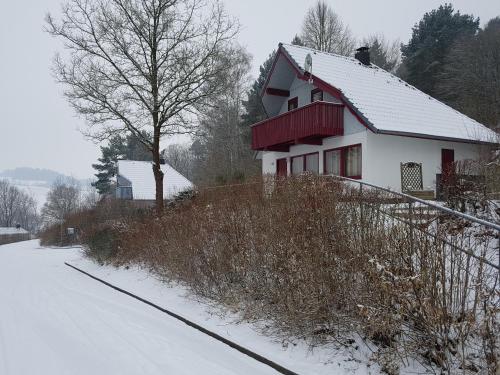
(101,243)
(89,222)
(321,259)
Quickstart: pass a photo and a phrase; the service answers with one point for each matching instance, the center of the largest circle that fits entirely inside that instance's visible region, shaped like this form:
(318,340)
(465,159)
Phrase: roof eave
(440,138)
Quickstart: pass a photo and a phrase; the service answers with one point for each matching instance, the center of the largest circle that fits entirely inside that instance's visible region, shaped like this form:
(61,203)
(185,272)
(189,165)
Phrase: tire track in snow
(214,335)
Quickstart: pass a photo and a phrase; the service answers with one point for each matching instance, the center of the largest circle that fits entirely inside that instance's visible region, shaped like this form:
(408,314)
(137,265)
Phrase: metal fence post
(410,213)
(361,211)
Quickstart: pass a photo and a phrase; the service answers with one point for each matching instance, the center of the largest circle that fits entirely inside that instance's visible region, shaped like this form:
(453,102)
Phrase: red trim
(280,172)
(307,124)
(293,103)
(343,159)
(277,92)
(431,137)
(296,109)
(303,156)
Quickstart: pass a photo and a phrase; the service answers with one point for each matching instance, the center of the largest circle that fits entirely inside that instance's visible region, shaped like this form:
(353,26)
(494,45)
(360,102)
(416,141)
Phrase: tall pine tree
(433,37)
(254,109)
(470,81)
(118,147)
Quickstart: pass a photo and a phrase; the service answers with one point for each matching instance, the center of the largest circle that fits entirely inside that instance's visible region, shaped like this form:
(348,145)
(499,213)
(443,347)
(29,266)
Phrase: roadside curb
(214,335)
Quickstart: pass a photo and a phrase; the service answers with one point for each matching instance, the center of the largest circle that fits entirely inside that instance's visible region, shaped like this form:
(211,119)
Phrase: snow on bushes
(319,259)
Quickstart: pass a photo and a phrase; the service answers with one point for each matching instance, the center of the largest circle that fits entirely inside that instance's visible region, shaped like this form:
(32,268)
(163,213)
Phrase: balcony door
(281,167)
(447,160)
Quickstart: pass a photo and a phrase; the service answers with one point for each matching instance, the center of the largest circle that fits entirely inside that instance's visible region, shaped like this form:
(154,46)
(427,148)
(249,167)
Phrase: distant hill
(36,182)
(46,176)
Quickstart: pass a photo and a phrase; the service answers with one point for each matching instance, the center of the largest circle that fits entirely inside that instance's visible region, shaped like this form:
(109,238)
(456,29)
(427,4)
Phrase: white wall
(381,154)
(384,153)
(302,90)
(269,158)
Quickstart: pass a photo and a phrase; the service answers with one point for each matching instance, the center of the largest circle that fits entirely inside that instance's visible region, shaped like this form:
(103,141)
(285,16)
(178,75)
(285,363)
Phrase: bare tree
(228,156)
(9,203)
(63,198)
(383,53)
(323,29)
(138,65)
(179,156)
(17,207)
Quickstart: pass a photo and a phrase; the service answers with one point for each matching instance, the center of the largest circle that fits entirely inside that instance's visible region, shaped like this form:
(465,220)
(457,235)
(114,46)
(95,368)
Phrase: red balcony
(305,125)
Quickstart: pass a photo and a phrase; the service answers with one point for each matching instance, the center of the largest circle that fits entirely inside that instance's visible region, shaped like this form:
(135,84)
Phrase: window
(332,162)
(312,163)
(308,162)
(297,164)
(316,95)
(125,192)
(344,161)
(353,162)
(293,103)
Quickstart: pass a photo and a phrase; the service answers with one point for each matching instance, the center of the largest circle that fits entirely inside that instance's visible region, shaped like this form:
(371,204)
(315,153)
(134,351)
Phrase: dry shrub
(95,228)
(321,259)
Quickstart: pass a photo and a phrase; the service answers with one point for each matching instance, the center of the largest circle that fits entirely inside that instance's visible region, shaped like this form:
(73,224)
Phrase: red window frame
(303,156)
(343,159)
(293,102)
(278,161)
(315,91)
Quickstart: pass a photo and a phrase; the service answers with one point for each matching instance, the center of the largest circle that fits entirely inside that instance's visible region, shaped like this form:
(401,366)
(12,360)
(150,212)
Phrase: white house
(135,181)
(332,114)
(13,234)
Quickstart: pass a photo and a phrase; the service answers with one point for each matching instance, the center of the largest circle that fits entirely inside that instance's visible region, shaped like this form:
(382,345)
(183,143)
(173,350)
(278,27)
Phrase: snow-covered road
(54,320)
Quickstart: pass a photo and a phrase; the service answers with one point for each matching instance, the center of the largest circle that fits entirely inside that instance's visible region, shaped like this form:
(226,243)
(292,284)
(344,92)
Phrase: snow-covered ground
(55,320)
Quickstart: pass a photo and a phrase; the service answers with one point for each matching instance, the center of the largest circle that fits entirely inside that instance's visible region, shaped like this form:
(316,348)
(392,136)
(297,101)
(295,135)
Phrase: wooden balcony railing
(305,125)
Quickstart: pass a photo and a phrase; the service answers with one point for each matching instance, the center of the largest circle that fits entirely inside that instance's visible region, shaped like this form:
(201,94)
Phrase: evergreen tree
(135,150)
(296,41)
(471,77)
(383,53)
(106,168)
(254,109)
(119,147)
(433,37)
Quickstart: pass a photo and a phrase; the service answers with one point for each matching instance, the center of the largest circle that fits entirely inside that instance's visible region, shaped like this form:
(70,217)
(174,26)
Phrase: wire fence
(425,216)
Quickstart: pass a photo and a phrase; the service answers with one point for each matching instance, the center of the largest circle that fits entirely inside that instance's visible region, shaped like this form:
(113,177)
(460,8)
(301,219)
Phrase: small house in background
(338,115)
(135,181)
(13,234)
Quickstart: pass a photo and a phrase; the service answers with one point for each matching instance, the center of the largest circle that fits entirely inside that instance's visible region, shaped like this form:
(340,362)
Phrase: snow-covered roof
(386,102)
(140,175)
(11,230)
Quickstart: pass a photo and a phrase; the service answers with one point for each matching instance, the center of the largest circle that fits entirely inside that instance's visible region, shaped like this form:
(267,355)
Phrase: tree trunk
(158,176)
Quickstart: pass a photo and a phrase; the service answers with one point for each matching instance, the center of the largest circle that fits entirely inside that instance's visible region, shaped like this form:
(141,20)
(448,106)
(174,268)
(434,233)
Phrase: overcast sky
(37,127)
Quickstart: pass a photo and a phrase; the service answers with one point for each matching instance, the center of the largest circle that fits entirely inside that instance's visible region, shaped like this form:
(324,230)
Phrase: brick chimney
(363,55)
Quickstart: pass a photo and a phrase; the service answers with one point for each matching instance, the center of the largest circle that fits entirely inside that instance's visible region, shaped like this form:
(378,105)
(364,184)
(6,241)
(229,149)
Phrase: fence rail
(411,200)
